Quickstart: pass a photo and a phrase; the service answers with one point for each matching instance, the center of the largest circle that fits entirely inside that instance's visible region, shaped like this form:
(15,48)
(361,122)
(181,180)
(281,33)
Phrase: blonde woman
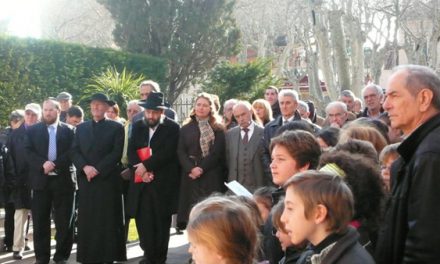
(201,152)
(263,111)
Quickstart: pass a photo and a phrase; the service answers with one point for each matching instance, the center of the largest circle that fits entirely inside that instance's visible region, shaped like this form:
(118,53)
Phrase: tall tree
(191,34)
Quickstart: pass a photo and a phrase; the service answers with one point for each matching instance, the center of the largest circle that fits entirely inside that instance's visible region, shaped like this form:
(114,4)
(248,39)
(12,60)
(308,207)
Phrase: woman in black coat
(201,153)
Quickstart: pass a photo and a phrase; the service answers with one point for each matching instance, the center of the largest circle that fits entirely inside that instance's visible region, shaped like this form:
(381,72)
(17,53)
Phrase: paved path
(177,253)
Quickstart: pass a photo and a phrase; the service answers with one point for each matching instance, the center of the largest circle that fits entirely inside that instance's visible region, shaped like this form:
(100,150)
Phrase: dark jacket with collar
(163,163)
(37,144)
(18,179)
(412,219)
(345,250)
(269,132)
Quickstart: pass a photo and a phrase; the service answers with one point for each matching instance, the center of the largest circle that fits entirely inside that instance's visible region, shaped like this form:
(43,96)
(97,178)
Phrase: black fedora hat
(154,101)
(102,98)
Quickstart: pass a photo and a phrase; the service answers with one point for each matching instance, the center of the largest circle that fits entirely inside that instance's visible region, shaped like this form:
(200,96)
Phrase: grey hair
(419,77)
(347,93)
(303,105)
(243,103)
(289,92)
(230,101)
(151,83)
(341,105)
(376,87)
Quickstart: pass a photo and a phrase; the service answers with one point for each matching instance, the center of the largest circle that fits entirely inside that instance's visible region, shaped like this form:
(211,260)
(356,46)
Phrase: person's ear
(424,98)
(305,167)
(320,214)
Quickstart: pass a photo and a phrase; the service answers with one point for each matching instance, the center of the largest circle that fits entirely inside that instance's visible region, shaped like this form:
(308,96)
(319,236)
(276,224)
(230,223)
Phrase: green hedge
(32,70)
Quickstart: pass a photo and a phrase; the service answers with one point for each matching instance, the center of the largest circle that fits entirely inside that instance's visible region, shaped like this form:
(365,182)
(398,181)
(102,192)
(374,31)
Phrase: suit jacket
(233,139)
(37,144)
(163,163)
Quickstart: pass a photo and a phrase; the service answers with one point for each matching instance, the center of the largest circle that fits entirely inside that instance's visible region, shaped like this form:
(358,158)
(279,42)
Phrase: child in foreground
(318,209)
(222,231)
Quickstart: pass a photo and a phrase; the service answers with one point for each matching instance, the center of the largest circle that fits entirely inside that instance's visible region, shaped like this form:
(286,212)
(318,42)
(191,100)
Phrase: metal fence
(183,106)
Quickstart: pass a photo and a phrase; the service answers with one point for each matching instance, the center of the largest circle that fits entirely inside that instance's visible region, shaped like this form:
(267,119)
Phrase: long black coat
(101,235)
(36,146)
(163,163)
(190,156)
(20,189)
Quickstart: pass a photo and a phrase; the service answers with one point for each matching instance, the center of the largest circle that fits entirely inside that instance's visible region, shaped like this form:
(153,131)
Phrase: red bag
(143,154)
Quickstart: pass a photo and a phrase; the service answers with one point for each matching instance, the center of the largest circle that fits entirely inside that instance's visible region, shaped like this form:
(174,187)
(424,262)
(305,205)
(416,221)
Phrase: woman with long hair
(201,153)
(263,111)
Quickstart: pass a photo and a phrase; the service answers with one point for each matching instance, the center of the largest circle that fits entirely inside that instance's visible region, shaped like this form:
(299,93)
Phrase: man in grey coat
(244,149)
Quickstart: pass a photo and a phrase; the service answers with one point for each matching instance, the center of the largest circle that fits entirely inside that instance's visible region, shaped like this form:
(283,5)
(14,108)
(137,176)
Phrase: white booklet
(238,189)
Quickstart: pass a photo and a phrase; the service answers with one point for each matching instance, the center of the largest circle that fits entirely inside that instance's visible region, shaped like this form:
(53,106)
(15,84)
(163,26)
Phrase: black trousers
(62,203)
(153,228)
(9,224)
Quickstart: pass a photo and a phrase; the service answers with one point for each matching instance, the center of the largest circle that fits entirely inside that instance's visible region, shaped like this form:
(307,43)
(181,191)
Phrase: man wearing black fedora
(97,151)
(153,200)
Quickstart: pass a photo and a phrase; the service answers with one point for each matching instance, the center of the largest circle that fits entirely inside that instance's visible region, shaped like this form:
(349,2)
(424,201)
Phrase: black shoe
(26,248)
(178,231)
(17,255)
(6,248)
(43,262)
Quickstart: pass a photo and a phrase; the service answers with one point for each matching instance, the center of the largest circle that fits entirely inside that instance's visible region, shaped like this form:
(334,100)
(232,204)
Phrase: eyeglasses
(335,115)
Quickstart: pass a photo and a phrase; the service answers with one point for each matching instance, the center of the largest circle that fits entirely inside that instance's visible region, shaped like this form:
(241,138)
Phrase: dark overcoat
(20,189)
(163,163)
(213,165)
(101,235)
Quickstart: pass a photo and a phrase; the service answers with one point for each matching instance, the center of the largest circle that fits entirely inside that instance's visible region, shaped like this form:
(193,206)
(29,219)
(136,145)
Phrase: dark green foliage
(119,86)
(241,81)
(191,34)
(32,70)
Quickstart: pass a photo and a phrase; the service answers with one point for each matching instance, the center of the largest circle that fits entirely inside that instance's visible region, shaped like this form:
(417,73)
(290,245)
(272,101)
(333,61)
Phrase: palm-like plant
(120,87)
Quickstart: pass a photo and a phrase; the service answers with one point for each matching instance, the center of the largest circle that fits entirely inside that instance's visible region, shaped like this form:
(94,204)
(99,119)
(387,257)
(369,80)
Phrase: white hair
(289,92)
(333,104)
(376,87)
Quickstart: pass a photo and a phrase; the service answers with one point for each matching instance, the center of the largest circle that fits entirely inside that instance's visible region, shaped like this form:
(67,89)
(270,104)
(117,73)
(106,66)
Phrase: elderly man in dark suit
(243,149)
(97,151)
(288,101)
(52,180)
(153,200)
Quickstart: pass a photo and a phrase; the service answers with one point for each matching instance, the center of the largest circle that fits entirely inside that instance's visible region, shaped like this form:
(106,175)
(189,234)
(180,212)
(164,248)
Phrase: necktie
(246,135)
(52,155)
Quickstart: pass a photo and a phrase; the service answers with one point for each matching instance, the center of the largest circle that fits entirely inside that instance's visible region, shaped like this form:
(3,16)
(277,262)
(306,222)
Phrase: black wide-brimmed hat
(102,98)
(154,101)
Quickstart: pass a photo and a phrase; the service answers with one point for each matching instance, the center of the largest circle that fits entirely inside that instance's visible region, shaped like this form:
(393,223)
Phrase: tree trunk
(339,49)
(357,54)
(324,51)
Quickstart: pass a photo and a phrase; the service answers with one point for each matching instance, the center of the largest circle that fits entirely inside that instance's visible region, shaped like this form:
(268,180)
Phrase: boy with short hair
(318,208)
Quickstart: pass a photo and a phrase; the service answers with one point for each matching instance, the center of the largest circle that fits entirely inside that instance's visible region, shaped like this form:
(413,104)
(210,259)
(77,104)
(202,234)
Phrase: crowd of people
(355,185)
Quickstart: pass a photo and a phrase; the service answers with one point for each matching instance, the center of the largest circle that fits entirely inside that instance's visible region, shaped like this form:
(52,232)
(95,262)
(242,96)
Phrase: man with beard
(96,153)
(52,180)
(153,201)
